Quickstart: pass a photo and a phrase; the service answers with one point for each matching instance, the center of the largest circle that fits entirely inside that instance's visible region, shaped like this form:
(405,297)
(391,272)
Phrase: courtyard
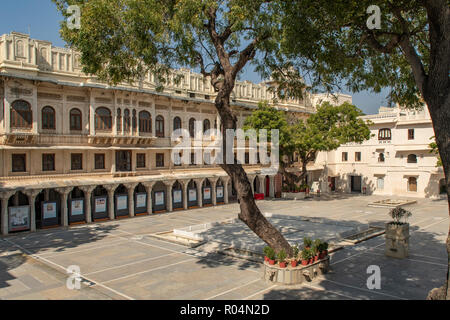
(125,259)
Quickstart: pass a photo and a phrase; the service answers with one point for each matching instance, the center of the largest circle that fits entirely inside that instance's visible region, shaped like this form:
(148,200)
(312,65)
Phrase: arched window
(159,124)
(103,120)
(126,121)
(48,118)
(176,123)
(21,115)
(412,158)
(192,127)
(206,125)
(384,134)
(145,122)
(75,120)
(119,121)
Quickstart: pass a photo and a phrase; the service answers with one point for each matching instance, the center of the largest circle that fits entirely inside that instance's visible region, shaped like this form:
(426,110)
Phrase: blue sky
(41,20)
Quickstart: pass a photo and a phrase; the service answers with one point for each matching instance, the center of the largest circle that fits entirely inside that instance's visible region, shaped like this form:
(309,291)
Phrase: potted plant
(323,250)
(282,258)
(266,251)
(307,243)
(397,233)
(295,251)
(306,255)
(270,255)
(316,249)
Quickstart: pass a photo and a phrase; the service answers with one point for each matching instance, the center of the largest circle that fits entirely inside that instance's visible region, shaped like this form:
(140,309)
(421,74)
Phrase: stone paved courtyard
(122,260)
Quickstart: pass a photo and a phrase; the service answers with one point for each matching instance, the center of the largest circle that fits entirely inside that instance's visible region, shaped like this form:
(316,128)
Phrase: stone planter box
(291,276)
(397,240)
(293,195)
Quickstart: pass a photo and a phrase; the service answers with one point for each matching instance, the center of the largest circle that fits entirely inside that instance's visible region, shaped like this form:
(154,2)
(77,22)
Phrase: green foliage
(306,254)
(307,242)
(269,252)
(282,256)
(295,251)
(397,214)
(435,150)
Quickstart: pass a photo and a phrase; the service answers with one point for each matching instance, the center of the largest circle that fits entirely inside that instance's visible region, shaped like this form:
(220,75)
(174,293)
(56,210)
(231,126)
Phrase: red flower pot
(271,262)
(266,259)
(283,265)
(311,261)
(322,255)
(304,262)
(294,263)
(316,258)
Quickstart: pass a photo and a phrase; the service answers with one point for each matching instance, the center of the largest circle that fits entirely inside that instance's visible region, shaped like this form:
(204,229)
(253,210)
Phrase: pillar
(131,206)
(272,186)
(262,185)
(64,193)
(185,193)
(199,183)
(252,180)
(4,197)
(31,198)
(149,186)
(169,185)
(226,181)
(111,189)
(87,200)
(213,193)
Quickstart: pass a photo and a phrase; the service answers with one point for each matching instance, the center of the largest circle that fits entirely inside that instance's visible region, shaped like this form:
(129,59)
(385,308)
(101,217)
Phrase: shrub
(282,256)
(307,242)
(306,254)
(397,214)
(269,253)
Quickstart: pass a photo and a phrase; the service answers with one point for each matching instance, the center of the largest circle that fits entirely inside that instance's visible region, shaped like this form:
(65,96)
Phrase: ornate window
(21,115)
(140,160)
(176,123)
(384,134)
(99,161)
(48,118)
(19,163)
(159,124)
(48,162)
(412,158)
(76,161)
(145,122)
(206,125)
(160,160)
(75,120)
(103,119)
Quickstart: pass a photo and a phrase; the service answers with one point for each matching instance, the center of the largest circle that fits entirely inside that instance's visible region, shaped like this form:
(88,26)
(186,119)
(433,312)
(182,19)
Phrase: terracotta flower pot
(304,262)
(271,262)
(266,259)
(294,263)
(283,265)
(322,255)
(311,261)
(316,258)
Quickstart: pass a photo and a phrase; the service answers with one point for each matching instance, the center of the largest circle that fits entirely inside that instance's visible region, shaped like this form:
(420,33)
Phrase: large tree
(124,40)
(409,53)
(325,130)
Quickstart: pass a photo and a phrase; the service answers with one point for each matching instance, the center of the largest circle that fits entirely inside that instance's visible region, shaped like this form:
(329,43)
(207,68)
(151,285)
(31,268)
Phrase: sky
(40,19)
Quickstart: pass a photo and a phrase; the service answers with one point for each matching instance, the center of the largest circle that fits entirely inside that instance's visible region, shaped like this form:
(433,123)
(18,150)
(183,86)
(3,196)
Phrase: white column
(199,183)
(111,189)
(149,186)
(185,194)
(213,193)
(169,197)
(131,188)
(87,199)
(64,192)
(4,197)
(262,185)
(272,186)
(31,198)
(226,182)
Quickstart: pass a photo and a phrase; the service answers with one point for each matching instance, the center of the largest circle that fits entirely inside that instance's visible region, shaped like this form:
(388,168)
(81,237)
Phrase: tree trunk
(440,114)
(250,213)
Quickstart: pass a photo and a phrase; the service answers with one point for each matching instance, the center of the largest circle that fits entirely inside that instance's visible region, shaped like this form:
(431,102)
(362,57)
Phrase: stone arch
(76,206)
(100,203)
(48,209)
(177,195)
(192,194)
(159,197)
(19,215)
(121,201)
(207,192)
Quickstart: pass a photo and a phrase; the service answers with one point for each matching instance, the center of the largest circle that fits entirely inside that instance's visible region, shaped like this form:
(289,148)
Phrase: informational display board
(207,193)
(177,196)
(122,202)
(100,204)
(141,200)
(49,210)
(219,192)
(159,198)
(19,218)
(77,207)
(192,195)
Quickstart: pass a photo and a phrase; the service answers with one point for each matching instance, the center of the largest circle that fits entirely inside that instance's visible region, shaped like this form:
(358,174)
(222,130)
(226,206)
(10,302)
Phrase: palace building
(76,150)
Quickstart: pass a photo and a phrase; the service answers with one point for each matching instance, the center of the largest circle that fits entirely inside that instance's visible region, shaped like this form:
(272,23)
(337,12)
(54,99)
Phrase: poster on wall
(49,210)
(77,207)
(177,196)
(159,198)
(122,203)
(19,218)
(141,200)
(100,205)
(207,193)
(219,192)
(192,195)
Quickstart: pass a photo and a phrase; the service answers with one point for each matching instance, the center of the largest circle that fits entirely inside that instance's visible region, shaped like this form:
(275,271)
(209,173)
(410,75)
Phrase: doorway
(356,184)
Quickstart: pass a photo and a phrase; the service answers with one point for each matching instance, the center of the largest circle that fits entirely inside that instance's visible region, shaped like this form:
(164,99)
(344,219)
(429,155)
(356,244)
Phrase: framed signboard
(49,210)
(207,193)
(159,198)
(19,218)
(122,202)
(100,204)
(141,200)
(77,207)
(177,196)
(219,192)
(192,195)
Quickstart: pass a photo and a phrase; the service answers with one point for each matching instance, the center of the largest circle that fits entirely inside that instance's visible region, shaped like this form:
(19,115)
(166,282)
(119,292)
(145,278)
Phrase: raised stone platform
(297,275)
(391,203)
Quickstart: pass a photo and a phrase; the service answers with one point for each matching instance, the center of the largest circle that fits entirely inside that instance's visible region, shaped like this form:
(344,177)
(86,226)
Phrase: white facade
(395,161)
